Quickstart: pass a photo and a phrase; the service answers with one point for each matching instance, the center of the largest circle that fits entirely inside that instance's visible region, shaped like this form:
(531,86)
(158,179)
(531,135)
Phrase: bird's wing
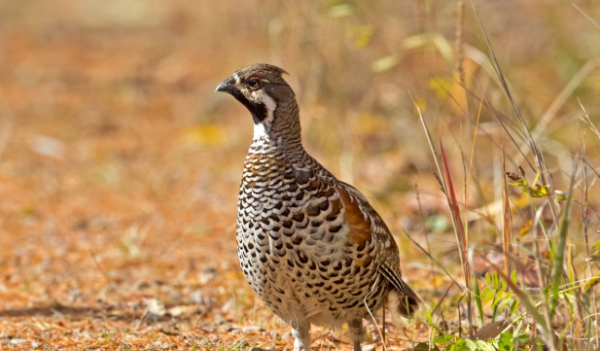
(368,234)
(367,226)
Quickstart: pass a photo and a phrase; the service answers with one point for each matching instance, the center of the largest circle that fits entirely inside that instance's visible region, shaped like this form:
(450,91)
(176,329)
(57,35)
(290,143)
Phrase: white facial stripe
(261,129)
(271,106)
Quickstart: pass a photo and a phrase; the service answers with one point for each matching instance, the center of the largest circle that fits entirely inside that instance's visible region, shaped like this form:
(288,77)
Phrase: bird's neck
(283,130)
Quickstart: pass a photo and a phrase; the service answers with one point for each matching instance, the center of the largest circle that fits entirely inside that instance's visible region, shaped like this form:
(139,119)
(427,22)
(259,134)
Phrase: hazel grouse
(310,245)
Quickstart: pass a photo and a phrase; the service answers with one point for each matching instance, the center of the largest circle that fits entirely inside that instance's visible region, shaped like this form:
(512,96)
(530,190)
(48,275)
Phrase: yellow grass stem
(470,171)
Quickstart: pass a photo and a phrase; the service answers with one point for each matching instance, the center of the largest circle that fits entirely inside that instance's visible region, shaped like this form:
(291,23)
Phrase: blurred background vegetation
(119,165)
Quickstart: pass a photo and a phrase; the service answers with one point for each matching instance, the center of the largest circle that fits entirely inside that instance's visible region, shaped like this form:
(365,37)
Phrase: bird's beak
(228,86)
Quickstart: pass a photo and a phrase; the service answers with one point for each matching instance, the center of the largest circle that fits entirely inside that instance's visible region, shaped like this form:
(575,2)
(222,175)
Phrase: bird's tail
(407,300)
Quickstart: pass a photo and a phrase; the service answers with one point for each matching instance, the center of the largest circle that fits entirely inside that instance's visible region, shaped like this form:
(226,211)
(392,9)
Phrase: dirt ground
(120,167)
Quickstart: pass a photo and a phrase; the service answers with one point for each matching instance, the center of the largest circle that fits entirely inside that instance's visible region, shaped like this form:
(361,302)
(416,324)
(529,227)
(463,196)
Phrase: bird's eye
(254,82)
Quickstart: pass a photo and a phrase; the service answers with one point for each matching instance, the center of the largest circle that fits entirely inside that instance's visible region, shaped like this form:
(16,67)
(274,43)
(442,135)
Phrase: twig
(372,316)
(588,17)
(106,277)
(433,259)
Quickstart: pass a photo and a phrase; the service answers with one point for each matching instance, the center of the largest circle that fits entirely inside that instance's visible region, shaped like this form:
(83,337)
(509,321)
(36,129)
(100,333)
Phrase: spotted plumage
(310,245)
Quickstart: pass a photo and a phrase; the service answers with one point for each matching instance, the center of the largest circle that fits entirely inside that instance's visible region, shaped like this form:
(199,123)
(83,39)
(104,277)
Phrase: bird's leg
(357,333)
(301,334)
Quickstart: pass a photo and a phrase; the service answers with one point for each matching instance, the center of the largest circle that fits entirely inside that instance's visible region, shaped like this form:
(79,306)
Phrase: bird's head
(261,88)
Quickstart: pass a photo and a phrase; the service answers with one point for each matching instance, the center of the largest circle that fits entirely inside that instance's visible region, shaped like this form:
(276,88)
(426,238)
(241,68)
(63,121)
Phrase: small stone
(186,310)
(219,320)
(208,328)
(155,307)
(48,146)
(251,329)
(228,306)
(231,329)
(196,296)
(207,275)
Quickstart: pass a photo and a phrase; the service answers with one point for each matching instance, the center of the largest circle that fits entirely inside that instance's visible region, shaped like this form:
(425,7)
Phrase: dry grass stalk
(448,189)
(506,216)
(537,156)
(459,41)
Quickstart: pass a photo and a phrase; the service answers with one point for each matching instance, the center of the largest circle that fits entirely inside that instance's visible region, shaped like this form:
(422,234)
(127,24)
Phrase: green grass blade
(539,319)
(560,249)
(478,299)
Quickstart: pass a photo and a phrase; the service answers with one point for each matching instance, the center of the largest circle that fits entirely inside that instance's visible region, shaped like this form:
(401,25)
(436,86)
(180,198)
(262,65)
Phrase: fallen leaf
(490,331)
(592,282)
(47,146)
(185,310)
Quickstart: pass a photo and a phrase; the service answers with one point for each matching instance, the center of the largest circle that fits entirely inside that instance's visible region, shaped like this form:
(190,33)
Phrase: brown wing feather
(366,225)
(360,225)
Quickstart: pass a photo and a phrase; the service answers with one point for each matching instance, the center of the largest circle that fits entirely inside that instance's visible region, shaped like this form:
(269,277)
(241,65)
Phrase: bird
(311,246)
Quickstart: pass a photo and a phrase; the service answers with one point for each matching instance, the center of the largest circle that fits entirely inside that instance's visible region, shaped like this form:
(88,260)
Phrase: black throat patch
(257,110)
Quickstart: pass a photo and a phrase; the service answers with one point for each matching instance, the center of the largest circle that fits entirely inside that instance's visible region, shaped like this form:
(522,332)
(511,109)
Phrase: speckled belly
(292,245)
